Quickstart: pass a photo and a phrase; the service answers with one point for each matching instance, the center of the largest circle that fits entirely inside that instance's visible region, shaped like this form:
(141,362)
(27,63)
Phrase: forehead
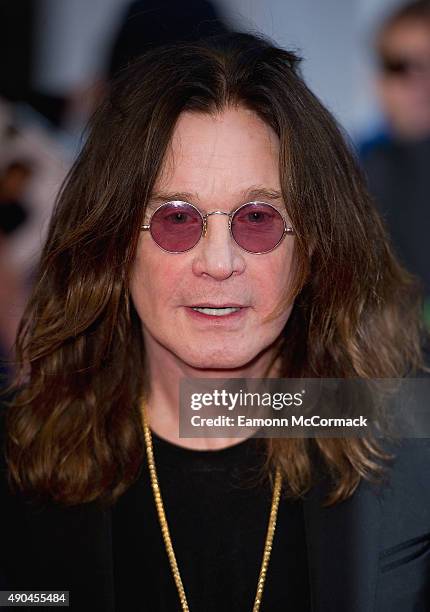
(408,35)
(220,155)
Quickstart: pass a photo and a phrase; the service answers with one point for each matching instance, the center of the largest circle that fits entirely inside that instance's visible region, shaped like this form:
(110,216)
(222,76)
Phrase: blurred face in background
(217,163)
(404,82)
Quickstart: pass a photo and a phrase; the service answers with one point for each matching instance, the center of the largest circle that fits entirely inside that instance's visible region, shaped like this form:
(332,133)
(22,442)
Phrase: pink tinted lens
(176,226)
(257,227)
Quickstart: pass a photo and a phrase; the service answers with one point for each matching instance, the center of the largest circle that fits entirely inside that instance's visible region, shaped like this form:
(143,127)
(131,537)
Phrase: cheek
(148,279)
(157,281)
(273,276)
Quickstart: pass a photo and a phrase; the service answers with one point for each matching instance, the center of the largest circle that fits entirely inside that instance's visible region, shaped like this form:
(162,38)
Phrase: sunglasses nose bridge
(214,212)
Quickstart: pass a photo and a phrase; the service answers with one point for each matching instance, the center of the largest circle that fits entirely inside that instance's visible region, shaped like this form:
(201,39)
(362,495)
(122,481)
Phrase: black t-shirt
(218,512)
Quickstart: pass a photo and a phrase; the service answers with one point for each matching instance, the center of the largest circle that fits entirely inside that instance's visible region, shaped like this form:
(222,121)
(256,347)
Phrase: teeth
(217,311)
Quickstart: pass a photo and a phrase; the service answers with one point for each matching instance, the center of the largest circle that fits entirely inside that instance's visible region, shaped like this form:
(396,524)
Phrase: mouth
(218,311)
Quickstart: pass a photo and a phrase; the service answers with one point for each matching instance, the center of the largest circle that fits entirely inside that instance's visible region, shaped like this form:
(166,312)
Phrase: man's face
(404,85)
(219,161)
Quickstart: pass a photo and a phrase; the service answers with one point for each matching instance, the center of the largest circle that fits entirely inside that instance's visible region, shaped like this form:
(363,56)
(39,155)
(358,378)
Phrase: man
(397,167)
(215,225)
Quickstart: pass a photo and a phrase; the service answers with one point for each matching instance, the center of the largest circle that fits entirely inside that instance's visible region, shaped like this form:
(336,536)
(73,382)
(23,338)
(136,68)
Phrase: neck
(165,373)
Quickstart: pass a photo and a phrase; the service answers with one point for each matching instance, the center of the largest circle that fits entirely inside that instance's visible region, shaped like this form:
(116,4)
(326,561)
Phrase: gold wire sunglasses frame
(204,217)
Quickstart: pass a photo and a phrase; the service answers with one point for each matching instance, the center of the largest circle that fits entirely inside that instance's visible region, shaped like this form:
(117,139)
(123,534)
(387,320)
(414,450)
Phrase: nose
(217,255)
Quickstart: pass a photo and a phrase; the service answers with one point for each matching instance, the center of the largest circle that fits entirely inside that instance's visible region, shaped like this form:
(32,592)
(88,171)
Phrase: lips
(225,315)
(226,305)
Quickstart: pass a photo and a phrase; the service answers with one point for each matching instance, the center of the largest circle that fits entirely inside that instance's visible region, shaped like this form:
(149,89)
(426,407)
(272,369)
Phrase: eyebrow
(250,194)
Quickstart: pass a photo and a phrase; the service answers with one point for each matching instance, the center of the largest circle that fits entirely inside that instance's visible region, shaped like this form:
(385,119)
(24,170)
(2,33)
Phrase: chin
(218,360)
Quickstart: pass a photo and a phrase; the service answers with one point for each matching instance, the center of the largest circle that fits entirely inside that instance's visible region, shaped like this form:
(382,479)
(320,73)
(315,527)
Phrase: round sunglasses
(256,227)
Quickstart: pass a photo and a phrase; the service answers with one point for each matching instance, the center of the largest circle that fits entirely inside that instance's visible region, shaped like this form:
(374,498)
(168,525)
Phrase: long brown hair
(74,427)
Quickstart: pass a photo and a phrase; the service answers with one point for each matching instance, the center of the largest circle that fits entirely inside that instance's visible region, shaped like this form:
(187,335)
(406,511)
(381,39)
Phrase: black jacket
(399,179)
(370,553)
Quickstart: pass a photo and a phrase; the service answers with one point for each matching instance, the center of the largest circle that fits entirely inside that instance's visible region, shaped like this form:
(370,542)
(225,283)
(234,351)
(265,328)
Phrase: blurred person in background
(14,177)
(141,25)
(398,166)
(32,167)
(149,23)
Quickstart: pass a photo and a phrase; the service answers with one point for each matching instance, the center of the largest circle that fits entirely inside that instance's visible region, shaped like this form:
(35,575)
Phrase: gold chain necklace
(166,532)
